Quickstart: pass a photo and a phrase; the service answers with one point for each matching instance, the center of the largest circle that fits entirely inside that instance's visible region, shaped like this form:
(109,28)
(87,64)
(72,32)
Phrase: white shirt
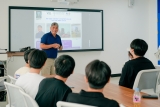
(21,71)
(30,83)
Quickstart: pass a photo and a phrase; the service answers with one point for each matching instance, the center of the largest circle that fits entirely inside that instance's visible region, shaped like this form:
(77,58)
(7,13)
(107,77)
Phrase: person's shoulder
(72,96)
(25,68)
(18,70)
(128,63)
(38,76)
(60,84)
(22,68)
(47,34)
(21,79)
(45,82)
(111,102)
(144,58)
(141,60)
(58,36)
(133,61)
(47,79)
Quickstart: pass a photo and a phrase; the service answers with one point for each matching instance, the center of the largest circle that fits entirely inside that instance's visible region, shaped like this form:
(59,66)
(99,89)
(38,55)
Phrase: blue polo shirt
(48,39)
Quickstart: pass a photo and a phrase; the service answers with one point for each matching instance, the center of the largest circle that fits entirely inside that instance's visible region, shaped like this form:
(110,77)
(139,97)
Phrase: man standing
(50,43)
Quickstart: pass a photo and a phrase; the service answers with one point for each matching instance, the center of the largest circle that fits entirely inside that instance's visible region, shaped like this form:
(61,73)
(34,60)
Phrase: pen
(71,87)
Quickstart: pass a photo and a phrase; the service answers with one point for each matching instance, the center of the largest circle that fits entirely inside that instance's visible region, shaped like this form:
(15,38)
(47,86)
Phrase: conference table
(112,91)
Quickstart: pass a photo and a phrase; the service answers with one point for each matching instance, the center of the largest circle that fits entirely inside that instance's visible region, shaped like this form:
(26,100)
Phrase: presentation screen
(79,29)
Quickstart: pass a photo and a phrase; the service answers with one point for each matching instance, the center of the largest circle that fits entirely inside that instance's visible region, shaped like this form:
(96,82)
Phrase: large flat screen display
(79,29)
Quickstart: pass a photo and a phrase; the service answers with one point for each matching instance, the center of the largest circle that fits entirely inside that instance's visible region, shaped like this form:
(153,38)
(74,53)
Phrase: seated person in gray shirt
(97,76)
(52,90)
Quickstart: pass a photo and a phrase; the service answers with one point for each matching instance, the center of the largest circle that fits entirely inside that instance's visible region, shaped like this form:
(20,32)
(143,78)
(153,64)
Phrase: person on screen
(63,34)
(52,90)
(50,44)
(77,32)
(26,68)
(38,14)
(40,33)
(138,48)
(31,80)
(97,75)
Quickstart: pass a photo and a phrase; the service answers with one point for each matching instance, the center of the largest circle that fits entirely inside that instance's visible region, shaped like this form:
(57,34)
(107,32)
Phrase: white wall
(122,24)
(153,30)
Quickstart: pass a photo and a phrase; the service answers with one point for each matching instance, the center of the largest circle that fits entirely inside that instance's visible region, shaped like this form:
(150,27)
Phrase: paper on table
(121,105)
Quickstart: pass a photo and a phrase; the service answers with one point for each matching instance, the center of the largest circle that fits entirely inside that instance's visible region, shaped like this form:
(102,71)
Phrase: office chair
(68,104)
(147,79)
(13,80)
(30,102)
(15,98)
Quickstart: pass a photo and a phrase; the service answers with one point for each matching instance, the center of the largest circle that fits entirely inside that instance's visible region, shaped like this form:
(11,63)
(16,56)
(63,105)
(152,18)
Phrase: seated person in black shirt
(52,90)
(138,48)
(97,76)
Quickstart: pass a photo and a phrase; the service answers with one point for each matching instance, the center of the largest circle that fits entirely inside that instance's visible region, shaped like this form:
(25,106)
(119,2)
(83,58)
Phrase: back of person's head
(37,59)
(64,66)
(140,47)
(98,74)
(26,53)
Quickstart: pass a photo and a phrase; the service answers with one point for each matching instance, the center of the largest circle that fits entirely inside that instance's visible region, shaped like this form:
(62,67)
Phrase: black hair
(98,74)
(37,59)
(26,53)
(140,47)
(64,66)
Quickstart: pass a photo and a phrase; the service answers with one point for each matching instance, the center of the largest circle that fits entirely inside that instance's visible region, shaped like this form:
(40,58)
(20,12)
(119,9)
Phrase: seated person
(131,68)
(24,69)
(97,76)
(52,90)
(30,81)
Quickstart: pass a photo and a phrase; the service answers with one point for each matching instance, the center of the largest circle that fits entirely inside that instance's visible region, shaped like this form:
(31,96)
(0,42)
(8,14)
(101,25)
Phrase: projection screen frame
(58,9)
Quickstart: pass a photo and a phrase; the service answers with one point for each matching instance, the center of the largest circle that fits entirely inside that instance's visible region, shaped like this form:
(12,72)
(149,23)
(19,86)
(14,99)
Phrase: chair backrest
(13,80)
(2,87)
(68,104)
(30,102)
(147,79)
(15,98)
(2,79)
(158,67)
